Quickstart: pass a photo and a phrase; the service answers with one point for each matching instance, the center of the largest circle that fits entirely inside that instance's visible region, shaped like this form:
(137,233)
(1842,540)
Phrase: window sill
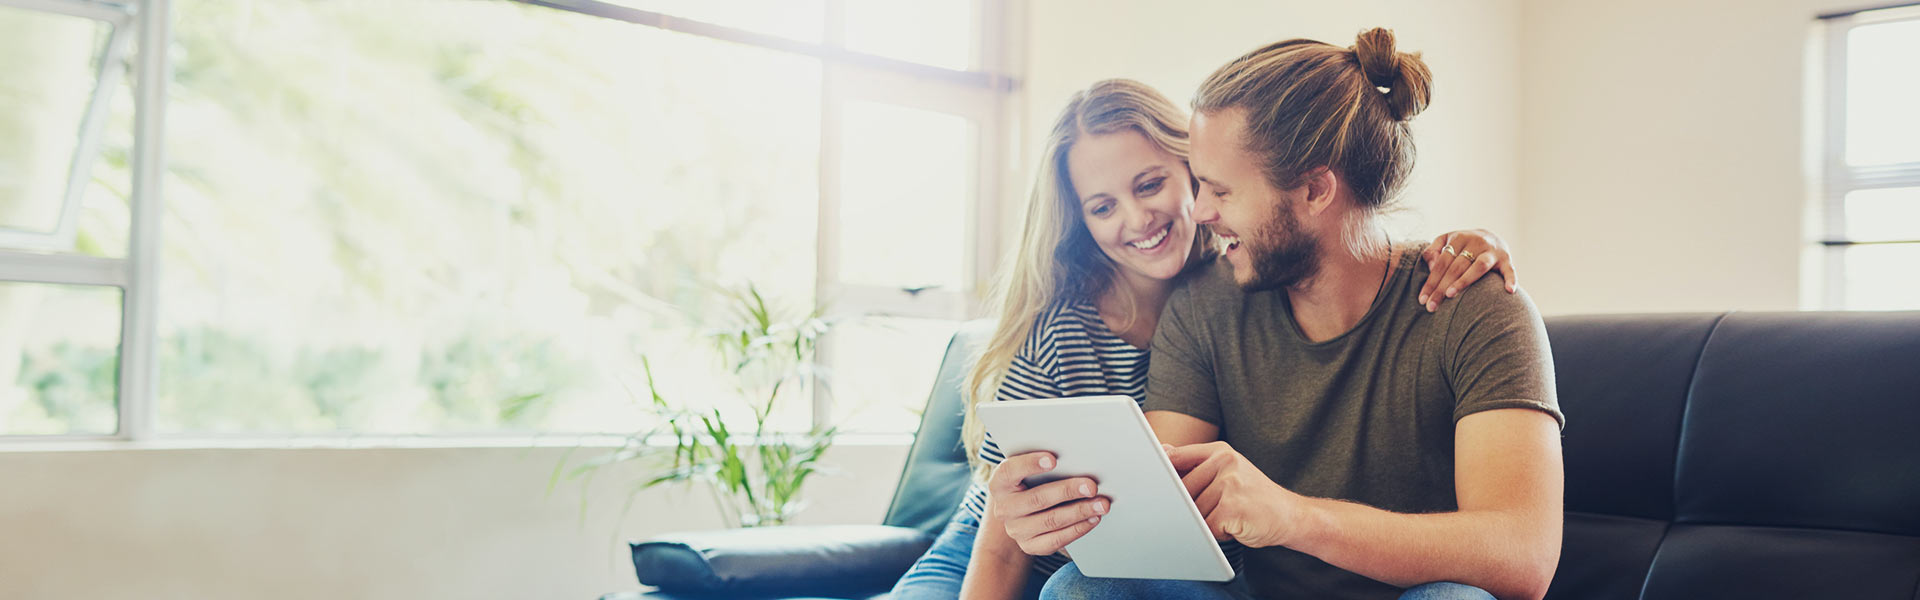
(23,444)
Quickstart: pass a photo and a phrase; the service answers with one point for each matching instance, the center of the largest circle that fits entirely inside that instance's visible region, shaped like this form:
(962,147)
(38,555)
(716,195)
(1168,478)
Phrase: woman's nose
(1138,218)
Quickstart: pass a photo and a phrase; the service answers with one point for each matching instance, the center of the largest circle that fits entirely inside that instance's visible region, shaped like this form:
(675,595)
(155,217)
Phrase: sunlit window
(1872,203)
(481,216)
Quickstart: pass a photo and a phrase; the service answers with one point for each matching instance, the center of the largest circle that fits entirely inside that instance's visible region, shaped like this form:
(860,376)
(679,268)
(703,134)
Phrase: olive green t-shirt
(1367,416)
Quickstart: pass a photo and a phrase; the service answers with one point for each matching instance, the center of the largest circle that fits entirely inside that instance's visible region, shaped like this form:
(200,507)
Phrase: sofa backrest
(1744,455)
(935,475)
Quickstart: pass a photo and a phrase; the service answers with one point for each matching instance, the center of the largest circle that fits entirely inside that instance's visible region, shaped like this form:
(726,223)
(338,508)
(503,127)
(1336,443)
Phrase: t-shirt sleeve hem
(1210,419)
(1480,407)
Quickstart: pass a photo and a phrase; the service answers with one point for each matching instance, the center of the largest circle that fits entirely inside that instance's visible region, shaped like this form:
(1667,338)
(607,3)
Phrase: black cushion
(830,561)
(1623,381)
(1598,550)
(1806,420)
(1727,561)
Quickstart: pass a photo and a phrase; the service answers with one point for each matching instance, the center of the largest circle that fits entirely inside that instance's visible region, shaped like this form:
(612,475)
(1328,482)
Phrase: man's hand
(1239,501)
(1045,518)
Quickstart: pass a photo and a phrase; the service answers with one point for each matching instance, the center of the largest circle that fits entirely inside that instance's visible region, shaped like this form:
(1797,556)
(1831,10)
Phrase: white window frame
(1839,178)
(145,22)
(980,94)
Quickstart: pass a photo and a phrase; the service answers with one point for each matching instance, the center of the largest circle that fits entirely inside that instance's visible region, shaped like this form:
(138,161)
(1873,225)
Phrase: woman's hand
(1457,259)
(1045,518)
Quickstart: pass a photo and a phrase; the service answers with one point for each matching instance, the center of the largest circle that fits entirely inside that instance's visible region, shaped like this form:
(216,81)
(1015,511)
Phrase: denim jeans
(939,572)
(1069,584)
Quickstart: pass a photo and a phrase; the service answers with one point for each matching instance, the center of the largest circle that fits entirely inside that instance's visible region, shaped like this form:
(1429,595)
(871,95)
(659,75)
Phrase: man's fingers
(1216,523)
(1201,477)
(1207,500)
(1185,458)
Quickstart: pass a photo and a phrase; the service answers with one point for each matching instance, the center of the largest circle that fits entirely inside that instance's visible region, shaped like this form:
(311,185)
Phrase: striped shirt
(1069,352)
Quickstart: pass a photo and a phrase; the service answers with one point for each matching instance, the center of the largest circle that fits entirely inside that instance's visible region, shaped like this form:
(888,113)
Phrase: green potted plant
(756,474)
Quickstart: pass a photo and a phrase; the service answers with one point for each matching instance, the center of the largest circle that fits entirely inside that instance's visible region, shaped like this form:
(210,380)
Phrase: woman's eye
(1101,210)
(1151,187)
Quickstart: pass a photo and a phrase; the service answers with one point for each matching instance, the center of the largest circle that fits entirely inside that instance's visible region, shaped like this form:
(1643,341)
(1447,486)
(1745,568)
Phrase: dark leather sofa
(1739,455)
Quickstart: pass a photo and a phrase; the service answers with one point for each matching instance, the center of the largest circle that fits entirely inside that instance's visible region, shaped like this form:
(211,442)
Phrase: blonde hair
(1312,104)
(1057,260)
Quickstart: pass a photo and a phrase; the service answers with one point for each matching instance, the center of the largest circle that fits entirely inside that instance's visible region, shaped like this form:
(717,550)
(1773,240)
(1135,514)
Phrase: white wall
(216,524)
(1662,146)
(1468,138)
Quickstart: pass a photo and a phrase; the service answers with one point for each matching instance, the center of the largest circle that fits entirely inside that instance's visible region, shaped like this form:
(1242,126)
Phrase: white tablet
(1151,530)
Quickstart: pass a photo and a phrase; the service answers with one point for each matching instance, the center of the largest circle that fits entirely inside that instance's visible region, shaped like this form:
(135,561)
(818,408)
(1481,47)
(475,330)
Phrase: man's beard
(1281,253)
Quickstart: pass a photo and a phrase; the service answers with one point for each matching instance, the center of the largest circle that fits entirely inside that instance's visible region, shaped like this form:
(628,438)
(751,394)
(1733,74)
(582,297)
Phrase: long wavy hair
(1057,260)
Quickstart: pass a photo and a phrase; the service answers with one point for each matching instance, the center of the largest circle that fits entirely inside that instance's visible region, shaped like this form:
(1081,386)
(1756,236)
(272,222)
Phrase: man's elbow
(1527,576)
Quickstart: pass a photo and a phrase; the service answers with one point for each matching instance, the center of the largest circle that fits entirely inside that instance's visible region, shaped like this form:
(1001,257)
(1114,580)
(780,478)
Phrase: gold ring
(1447,250)
(1466,254)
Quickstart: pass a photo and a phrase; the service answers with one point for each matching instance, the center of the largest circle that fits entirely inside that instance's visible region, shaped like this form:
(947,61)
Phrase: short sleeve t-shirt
(1367,416)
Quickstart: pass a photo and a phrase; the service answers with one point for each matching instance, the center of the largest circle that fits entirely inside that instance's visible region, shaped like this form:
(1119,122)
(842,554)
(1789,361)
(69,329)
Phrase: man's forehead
(1230,121)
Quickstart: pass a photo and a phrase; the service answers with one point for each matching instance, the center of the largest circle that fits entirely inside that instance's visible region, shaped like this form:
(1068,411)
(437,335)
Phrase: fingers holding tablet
(1043,518)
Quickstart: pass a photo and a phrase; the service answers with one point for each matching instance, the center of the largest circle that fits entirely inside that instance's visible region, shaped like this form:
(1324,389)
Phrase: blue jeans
(939,572)
(1069,584)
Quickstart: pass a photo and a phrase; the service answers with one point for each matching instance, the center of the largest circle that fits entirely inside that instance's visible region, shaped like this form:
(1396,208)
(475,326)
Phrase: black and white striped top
(1069,352)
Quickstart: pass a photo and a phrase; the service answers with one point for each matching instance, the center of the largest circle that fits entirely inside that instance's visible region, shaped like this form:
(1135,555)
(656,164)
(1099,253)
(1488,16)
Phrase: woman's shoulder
(1061,319)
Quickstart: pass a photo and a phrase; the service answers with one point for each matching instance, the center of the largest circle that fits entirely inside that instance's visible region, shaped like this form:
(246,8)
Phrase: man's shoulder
(1487,301)
(1209,283)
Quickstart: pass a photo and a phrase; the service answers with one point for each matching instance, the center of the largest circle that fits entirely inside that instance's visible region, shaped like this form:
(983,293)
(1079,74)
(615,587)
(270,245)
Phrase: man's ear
(1321,187)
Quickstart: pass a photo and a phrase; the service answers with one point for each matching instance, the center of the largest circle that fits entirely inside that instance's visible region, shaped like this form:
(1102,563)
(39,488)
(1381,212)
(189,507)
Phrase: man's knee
(1445,590)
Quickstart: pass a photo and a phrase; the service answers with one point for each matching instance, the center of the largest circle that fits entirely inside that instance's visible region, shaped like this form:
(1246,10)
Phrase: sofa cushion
(818,560)
(1623,381)
(1730,561)
(1805,420)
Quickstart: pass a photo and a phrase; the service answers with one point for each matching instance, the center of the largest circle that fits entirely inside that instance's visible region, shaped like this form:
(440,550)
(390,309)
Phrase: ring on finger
(1466,254)
(1447,250)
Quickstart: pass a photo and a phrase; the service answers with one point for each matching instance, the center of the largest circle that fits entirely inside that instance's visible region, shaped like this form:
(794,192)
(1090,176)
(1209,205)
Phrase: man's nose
(1205,209)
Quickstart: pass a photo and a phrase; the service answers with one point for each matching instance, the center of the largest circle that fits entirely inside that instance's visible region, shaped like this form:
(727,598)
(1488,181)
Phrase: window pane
(454,215)
(906,177)
(1879,277)
(801,20)
(1883,94)
(52,63)
(883,368)
(940,33)
(59,358)
(1889,214)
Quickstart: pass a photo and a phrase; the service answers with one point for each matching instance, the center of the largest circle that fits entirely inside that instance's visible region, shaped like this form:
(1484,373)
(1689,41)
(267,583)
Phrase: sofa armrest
(788,560)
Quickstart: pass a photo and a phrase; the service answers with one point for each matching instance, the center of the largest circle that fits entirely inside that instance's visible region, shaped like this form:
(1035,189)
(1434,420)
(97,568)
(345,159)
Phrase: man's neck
(1343,289)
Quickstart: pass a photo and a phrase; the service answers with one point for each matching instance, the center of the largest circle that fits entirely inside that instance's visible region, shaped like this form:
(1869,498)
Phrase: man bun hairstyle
(1403,77)
(1311,104)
